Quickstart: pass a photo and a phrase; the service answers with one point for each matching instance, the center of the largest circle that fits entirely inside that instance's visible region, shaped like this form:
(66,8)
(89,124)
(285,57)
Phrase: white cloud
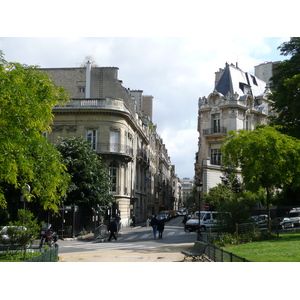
(175,71)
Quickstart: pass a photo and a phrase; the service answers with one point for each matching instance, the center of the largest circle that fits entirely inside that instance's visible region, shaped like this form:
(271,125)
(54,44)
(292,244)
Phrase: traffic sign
(206,206)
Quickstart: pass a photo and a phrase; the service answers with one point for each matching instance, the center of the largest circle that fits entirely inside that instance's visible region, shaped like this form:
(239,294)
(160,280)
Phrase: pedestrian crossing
(105,246)
(141,241)
(149,234)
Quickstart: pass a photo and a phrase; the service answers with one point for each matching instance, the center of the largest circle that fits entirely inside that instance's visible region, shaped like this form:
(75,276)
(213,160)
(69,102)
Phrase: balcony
(92,104)
(142,157)
(115,149)
(215,131)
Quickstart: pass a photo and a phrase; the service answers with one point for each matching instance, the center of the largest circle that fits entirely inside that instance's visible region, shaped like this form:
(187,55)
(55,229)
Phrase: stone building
(111,118)
(187,189)
(239,101)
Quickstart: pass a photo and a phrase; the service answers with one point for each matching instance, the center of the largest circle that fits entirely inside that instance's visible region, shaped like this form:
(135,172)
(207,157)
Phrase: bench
(196,252)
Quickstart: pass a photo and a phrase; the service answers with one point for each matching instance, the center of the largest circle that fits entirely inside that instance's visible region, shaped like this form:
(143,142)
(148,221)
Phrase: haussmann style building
(117,122)
(239,100)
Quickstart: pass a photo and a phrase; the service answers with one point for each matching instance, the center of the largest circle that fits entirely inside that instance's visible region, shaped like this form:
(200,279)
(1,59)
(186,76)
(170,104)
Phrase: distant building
(265,71)
(239,101)
(186,189)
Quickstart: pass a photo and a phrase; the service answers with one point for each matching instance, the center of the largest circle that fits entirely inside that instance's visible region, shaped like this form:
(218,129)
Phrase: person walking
(118,221)
(112,227)
(184,221)
(154,223)
(160,227)
(133,220)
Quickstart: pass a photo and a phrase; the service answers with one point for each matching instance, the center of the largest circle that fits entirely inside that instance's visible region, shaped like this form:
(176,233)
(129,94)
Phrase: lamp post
(199,186)
(25,193)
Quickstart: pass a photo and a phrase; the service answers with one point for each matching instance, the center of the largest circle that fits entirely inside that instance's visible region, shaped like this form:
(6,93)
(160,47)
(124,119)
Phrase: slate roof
(234,80)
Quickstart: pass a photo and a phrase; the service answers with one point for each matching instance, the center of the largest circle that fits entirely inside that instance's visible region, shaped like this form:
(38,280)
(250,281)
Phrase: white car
(286,223)
(8,234)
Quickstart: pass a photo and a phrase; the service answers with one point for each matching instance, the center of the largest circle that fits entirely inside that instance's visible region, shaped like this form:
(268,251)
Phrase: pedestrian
(184,221)
(160,227)
(154,223)
(133,220)
(112,227)
(118,221)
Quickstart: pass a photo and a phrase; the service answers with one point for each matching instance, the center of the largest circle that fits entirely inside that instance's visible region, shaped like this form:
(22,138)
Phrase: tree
(268,159)
(286,85)
(23,232)
(26,100)
(90,182)
(224,199)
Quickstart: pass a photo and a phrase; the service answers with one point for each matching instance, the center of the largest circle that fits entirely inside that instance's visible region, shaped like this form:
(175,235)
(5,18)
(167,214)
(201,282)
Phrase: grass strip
(285,248)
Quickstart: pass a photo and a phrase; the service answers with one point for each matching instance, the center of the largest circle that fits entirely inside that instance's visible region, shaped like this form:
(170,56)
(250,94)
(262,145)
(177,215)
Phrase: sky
(168,49)
(176,71)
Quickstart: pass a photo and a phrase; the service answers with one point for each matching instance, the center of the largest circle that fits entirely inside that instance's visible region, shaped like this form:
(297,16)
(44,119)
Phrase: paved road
(139,238)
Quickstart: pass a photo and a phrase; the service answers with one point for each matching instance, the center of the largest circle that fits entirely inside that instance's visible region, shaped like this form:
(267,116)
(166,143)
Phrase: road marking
(131,237)
(145,235)
(171,233)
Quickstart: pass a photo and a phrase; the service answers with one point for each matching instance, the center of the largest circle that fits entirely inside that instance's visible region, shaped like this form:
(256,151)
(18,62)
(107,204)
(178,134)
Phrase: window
(216,123)
(248,128)
(114,141)
(91,138)
(113,172)
(81,90)
(215,156)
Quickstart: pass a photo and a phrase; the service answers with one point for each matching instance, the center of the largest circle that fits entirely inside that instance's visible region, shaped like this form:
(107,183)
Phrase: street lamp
(25,193)
(199,186)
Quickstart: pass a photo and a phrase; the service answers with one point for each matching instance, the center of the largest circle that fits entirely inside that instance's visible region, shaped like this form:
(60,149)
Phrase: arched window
(113,172)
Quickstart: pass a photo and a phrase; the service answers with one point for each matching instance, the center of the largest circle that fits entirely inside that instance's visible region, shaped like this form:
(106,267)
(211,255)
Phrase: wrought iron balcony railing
(215,130)
(114,148)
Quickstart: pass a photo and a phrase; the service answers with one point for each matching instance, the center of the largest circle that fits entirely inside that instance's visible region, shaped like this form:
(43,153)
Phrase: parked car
(10,234)
(166,214)
(294,216)
(261,220)
(285,223)
(180,213)
(191,224)
(161,217)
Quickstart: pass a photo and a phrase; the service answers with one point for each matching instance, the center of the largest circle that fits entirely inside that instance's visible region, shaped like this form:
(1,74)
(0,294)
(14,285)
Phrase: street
(138,238)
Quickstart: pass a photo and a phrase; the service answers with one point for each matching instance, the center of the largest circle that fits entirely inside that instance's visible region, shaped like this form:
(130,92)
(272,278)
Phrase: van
(207,219)
(294,216)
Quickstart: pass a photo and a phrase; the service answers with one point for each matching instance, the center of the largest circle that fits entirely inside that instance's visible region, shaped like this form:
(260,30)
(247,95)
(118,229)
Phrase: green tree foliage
(286,85)
(23,232)
(26,100)
(224,199)
(268,159)
(90,182)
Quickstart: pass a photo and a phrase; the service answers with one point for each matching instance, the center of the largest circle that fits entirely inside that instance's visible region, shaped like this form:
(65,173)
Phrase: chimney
(88,80)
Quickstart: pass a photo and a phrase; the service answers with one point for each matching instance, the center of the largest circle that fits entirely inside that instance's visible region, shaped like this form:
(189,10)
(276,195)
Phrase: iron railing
(216,254)
(215,130)
(32,254)
(50,255)
(114,148)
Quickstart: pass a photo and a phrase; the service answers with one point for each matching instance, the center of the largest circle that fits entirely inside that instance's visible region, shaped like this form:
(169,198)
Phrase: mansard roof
(234,80)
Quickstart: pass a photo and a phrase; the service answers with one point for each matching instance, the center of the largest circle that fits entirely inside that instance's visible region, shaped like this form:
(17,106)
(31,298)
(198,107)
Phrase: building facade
(239,101)
(187,189)
(111,118)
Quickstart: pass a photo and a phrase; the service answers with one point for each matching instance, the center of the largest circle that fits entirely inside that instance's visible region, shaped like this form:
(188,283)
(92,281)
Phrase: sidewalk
(169,253)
